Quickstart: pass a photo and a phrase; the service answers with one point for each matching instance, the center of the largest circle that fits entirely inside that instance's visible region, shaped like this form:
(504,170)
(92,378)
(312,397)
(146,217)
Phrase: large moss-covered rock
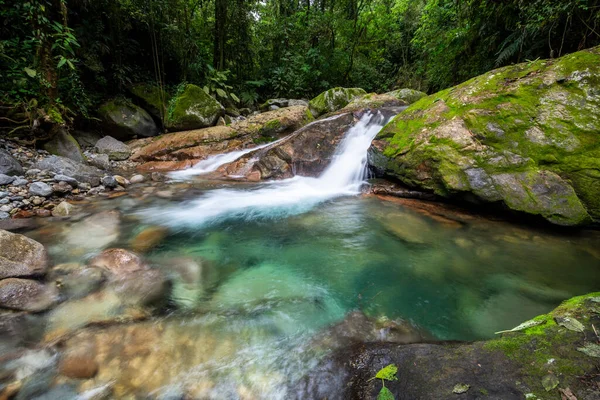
(182,149)
(373,101)
(334,99)
(526,136)
(192,108)
(124,120)
(152,98)
(408,96)
(64,145)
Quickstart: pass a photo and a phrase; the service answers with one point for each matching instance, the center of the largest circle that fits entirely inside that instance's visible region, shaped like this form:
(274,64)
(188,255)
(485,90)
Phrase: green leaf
(221,92)
(461,388)
(524,325)
(550,382)
(234,97)
(590,349)
(62,62)
(385,394)
(206,89)
(31,72)
(388,373)
(571,324)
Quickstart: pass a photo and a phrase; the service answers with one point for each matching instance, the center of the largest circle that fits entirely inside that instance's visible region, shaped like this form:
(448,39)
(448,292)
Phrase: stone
(193,109)
(6,208)
(115,149)
(78,366)
(124,120)
(121,180)
(118,261)
(501,138)
(9,165)
(152,98)
(21,256)
(86,138)
(20,182)
(140,288)
(75,281)
(65,166)
(40,189)
(64,178)
(101,161)
(334,99)
(137,179)
(64,209)
(4,215)
(6,179)
(62,187)
(32,172)
(148,238)
(93,233)
(64,145)
(408,96)
(372,101)
(26,295)
(109,181)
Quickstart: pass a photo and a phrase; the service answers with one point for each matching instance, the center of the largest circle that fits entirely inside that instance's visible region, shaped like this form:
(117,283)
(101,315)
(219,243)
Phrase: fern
(511,46)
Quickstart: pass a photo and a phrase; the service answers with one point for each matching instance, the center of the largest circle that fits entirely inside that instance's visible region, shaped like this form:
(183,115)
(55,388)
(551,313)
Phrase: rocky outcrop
(524,136)
(64,145)
(183,149)
(543,358)
(124,120)
(334,99)
(192,108)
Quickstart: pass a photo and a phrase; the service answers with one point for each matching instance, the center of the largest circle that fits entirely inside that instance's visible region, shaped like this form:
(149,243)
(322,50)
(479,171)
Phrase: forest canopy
(63,58)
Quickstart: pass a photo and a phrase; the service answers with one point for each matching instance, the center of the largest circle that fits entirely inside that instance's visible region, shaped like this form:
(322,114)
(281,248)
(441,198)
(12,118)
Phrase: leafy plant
(217,84)
(387,373)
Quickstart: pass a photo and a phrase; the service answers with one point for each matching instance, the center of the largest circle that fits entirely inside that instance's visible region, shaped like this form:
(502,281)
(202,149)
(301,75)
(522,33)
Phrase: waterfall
(275,199)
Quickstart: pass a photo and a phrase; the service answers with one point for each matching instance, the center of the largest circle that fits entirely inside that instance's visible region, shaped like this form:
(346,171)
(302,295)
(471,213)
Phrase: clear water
(281,263)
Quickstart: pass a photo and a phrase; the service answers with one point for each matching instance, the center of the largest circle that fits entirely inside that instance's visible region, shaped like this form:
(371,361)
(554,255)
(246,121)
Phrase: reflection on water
(252,302)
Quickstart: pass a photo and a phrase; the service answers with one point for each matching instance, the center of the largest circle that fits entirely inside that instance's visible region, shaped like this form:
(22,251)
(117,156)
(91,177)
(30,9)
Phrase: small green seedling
(387,373)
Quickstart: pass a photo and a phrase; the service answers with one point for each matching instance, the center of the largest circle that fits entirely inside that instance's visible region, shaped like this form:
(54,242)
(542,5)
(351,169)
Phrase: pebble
(4,201)
(137,179)
(4,215)
(33,171)
(3,194)
(62,187)
(20,182)
(5,179)
(40,189)
(64,178)
(6,208)
(109,181)
(64,209)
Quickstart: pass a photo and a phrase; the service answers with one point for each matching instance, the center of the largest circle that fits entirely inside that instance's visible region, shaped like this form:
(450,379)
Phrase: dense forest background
(63,58)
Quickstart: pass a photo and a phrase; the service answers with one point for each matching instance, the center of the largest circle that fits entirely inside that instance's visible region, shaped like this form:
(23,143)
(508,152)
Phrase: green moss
(55,115)
(334,99)
(192,108)
(153,98)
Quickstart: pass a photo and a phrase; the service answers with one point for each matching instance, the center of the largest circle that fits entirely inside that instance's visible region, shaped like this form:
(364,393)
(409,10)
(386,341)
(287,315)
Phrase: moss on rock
(408,96)
(124,120)
(192,108)
(152,98)
(524,135)
(334,99)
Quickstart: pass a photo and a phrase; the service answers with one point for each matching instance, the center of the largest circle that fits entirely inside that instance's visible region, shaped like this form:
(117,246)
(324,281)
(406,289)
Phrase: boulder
(86,138)
(334,99)
(183,149)
(523,136)
(9,165)
(26,295)
(115,149)
(373,101)
(21,256)
(408,96)
(64,145)
(192,108)
(124,120)
(40,189)
(65,166)
(152,98)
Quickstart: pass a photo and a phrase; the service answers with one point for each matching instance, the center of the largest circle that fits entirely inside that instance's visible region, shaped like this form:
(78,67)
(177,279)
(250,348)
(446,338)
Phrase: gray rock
(4,215)
(64,178)
(64,145)
(86,139)
(115,149)
(6,208)
(137,179)
(3,194)
(8,164)
(6,179)
(26,295)
(32,172)
(109,181)
(124,120)
(20,182)
(40,189)
(99,160)
(62,165)
(4,201)
(21,256)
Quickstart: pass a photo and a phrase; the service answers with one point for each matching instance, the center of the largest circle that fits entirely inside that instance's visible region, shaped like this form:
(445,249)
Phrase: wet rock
(124,120)
(140,287)
(78,366)
(95,232)
(6,179)
(193,109)
(148,239)
(21,256)
(64,209)
(137,179)
(115,149)
(65,166)
(26,295)
(109,182)
(75,280)
(118,261)
(64,145)
(40,189)
(121,180)
(9,165)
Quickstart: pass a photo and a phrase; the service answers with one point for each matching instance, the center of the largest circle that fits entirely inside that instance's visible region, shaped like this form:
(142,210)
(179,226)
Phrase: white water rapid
(343,177)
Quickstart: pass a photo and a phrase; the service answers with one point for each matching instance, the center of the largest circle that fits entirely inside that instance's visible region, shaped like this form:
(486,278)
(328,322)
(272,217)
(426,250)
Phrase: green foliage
(388,373)
(216,85)
(385,394)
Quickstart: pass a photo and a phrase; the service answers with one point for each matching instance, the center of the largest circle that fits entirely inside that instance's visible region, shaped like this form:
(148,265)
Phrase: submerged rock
(93,233)
(524,136)
(21,256)
(334,99)
(26,295)
(118,261)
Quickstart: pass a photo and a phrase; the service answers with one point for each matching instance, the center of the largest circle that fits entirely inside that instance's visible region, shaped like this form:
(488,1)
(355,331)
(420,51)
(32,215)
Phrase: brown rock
(21,256)
(78,366)
(118,261)
(40,212)
(148,238)
(26,295)
(24,214)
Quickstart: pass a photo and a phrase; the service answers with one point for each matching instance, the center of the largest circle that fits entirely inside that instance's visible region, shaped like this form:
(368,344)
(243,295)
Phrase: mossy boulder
(373,101)
(152,98)
(524,136)
(550,354)
(334,99)
(124,120)
(63,144)
(192,108)
(408,96)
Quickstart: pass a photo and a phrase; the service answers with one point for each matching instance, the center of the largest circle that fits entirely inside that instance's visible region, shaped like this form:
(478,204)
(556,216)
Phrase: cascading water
(343,177)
